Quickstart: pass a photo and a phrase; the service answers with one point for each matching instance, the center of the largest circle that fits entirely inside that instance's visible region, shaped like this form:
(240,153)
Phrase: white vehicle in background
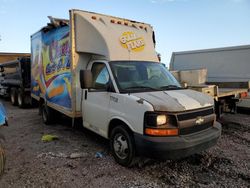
(105,70)
(227,69)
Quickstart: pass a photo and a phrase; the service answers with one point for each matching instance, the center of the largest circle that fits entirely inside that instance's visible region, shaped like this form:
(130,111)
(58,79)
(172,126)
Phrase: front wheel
(122,146)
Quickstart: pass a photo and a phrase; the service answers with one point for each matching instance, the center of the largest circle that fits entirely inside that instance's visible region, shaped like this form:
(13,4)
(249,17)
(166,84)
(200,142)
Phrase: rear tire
(21,99)
(47,114)
(13,96)
(122,146)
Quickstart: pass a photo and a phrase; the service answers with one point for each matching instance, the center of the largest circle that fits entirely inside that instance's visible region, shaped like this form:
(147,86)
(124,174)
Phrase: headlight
(154,119)
(158,119)
(161,120)
(159,124)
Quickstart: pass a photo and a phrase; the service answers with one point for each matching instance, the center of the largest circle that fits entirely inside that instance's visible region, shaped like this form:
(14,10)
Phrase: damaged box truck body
(105,70)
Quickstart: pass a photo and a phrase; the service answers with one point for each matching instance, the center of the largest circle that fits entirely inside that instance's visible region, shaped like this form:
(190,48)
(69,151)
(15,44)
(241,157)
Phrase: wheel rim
(120,145)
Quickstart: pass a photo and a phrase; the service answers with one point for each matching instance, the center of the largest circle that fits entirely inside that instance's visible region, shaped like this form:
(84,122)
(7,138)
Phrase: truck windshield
(138,76)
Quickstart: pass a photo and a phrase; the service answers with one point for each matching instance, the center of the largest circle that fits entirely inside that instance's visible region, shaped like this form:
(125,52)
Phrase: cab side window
(100,76)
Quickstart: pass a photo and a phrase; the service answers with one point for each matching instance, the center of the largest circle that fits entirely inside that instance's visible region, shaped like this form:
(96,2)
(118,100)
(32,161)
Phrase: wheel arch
(116,122)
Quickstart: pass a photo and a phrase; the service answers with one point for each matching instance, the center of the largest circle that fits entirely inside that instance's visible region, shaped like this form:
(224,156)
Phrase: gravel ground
(80,158)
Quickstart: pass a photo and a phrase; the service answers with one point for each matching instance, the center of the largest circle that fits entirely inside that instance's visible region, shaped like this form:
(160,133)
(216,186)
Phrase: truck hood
(176,100)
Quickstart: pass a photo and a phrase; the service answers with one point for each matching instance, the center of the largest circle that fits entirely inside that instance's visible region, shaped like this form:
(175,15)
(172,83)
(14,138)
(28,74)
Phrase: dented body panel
(177,100)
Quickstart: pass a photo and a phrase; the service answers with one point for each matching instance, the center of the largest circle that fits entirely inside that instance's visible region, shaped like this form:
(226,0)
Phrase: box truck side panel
(51,67)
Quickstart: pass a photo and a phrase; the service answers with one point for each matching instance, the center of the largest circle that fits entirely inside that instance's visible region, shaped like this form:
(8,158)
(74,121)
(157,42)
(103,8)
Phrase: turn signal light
(243,95)
(161,132)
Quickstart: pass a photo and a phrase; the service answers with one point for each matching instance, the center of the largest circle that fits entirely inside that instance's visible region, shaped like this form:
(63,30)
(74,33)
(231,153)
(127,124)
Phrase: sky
(179,25)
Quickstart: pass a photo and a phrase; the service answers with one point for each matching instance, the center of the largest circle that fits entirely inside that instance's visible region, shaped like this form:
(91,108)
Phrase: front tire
(122,146)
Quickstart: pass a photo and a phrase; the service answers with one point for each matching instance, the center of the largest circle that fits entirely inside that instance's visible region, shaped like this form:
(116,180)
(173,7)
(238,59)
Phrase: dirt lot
(73,161)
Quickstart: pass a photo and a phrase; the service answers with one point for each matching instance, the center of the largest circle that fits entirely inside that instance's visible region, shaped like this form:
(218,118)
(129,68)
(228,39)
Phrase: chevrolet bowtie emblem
(199,120)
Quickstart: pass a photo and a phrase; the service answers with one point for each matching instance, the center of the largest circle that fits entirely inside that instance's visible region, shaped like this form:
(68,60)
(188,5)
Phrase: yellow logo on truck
(132,42)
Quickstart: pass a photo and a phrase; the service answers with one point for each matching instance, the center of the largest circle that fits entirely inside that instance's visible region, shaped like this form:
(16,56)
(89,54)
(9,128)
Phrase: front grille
(196,128)
(193,115)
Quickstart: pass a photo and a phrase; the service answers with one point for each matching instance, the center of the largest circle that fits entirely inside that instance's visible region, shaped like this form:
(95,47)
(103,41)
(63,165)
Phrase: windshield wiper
(171,87)
(141,87)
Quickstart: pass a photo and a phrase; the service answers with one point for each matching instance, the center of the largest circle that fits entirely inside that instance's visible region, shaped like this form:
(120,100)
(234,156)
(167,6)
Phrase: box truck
(228,68)
(15,80)
(105,70)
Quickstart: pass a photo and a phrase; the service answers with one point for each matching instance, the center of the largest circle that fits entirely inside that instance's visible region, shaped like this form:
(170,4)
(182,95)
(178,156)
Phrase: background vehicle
(105,70)
(15,81)
(224,73)
(6,57)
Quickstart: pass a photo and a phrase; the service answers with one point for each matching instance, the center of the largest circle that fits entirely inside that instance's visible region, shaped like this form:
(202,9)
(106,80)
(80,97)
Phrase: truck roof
(115,17)
(55,22)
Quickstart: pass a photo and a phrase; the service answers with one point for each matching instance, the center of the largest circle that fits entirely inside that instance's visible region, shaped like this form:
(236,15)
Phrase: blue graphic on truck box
(51,74)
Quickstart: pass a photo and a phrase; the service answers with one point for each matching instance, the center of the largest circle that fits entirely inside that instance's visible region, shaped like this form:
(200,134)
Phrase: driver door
(95,105)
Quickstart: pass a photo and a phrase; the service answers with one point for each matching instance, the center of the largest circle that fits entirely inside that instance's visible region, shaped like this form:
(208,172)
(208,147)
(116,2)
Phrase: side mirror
(86,79)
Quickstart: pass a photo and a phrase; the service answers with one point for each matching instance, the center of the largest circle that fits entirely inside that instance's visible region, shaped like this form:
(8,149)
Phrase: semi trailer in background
(105,70)
(15,79)
(226,72)
(10,56)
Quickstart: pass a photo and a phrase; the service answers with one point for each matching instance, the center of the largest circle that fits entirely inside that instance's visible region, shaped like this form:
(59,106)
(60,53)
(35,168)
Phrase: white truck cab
(142,109)
(112,79)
